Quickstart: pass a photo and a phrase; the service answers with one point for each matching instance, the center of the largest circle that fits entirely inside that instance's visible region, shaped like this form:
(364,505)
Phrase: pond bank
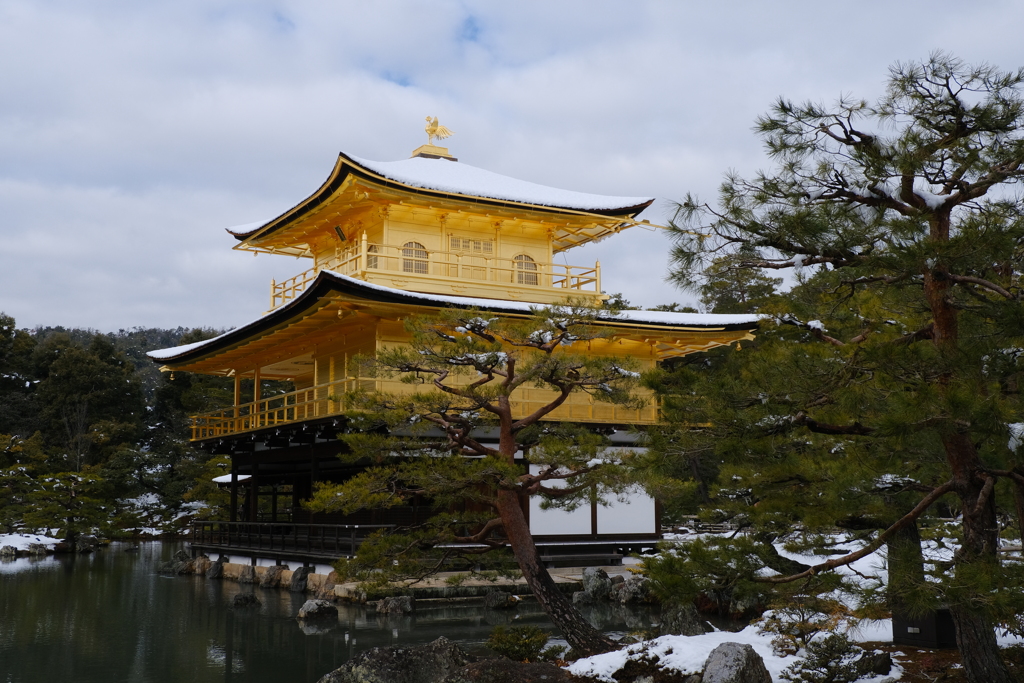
(328,586)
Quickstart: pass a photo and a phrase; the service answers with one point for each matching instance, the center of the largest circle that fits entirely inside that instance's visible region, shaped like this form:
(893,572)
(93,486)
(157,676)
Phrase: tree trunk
(975,632)
(906,570)
(577,631)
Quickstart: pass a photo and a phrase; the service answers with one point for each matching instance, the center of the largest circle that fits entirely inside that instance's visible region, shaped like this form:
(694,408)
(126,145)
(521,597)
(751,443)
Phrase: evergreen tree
(906,213)
(470,365)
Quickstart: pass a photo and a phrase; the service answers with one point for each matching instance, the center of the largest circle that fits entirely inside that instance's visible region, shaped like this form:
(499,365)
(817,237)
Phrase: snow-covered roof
(376,292)
(453,177)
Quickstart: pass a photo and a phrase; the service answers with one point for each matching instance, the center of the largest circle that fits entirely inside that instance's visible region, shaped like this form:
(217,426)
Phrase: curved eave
(346,166)
(357,291)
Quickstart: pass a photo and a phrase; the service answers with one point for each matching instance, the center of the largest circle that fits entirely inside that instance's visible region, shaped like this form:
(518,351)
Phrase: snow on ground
(22,541)
(687,654)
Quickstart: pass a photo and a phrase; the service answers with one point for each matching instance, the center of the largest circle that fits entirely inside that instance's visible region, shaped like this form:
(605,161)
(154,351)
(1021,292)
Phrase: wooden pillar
(234,491)
(314,474)
(273,503)
(254,492)
(255,421)
(238,394)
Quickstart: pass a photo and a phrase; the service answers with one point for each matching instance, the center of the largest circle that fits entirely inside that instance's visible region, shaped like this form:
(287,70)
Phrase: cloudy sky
(132,133)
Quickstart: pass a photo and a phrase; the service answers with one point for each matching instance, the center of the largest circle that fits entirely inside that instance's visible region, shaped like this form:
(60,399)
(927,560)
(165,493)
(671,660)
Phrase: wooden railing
(364,258)
(310,403)
(325,400)
(330,540)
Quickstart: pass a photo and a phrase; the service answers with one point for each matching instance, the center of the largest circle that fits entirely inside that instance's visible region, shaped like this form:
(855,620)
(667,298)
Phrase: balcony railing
(310,403)
(363,258)
(324,540)
(325,400)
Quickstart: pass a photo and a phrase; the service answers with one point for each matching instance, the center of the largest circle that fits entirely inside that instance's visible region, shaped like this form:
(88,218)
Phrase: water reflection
(109,617)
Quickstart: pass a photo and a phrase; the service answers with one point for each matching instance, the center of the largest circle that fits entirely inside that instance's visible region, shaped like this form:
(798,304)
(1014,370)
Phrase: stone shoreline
(328,586)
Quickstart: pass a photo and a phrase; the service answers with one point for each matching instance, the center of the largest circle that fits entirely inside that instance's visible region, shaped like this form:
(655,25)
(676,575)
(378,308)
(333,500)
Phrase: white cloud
(132,133)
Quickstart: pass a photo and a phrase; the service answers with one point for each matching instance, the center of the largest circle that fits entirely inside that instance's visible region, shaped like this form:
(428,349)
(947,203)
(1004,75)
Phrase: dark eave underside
(329,283)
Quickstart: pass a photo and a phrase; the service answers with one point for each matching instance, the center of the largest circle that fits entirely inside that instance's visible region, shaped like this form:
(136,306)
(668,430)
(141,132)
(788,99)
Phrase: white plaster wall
(635,515)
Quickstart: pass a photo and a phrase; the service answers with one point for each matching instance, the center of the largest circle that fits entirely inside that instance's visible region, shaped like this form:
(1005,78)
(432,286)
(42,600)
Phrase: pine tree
(428,445)
(906,216)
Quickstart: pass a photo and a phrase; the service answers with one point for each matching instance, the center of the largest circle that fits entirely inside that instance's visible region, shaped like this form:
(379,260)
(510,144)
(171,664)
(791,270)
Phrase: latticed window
(526,270)
(371,257)
(472,246)
(414,258)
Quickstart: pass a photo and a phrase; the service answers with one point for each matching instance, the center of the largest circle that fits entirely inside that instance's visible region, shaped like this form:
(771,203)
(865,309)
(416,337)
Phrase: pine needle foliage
(884,389)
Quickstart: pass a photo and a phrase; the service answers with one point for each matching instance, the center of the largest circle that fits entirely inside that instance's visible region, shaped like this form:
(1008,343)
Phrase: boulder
(247,575)
(216,569)
(596,583)
(201,565)
(500,600)
(246,600)
(582,598)
(299,577)
(272,577)
(874,664)
(317,609)
(8,551)
(430,663)
(505,671)
(37,549)
(682,621)
(399,604)
(86,544)
(735,663)
(635,589)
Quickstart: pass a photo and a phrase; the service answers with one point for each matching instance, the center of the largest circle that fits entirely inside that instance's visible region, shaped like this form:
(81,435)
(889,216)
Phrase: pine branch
(879,541)
(970,279)
(802,419)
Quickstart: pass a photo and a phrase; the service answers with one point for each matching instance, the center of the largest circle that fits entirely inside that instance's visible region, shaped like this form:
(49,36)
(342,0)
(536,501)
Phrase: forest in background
(93,437)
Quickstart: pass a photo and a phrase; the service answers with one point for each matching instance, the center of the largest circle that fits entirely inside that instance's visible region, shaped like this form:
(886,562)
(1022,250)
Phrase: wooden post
(597,276)
(254,492)
(362,254)
(254,422)
(234,491)
(331,407)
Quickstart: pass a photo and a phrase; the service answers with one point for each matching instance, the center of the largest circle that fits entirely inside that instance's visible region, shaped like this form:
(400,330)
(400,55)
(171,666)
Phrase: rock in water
(735,663)
(36,548)
(596,583)
(682,621)
(246,600)
(399,604)
(8,551)
(272,577)
(216,570)
(247,575)
(299,577)
(635,589)
(500,600)
(582,598)
(317,609)
(431,663)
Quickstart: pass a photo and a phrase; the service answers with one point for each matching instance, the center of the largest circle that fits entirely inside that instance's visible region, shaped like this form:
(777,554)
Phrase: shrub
(832,659)
(521,643)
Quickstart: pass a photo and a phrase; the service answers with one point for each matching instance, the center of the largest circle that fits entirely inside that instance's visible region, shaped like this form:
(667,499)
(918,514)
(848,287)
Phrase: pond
(110,617)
